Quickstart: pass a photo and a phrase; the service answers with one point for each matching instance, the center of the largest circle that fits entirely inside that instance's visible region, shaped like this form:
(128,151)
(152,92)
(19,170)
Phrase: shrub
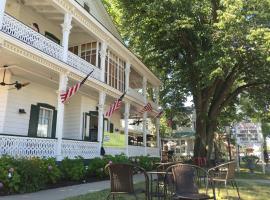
(96,167)
(51,170)
(146,162)
(73,169)
(32,176)
(9,176)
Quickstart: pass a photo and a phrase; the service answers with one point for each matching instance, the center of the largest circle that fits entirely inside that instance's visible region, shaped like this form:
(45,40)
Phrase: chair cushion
(191,196)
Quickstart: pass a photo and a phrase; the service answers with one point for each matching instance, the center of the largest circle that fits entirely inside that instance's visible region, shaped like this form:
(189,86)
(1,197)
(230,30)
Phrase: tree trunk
(205,130)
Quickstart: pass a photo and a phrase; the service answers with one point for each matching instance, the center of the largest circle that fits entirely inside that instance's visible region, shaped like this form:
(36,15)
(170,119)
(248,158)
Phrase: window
(74,50)
(42,122)
(86,7)
(89,52)
(45,122)
(115,71)
(52,37)
(183,142)
(111,128)
(105,124)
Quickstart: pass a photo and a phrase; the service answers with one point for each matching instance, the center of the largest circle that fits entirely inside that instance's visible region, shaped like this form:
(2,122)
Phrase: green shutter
(54,123)
(33,121)
(111,128)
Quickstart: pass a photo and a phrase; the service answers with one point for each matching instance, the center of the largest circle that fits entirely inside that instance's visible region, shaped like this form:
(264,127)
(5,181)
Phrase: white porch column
(157,131)
(2,11)
(101,103)
(127,73)
(144,115)
(156,92)
(126,115)
(66,27)
(63,79)
(103,52)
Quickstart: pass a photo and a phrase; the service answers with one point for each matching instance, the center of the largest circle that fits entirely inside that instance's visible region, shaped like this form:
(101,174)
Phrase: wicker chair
(121,177)
(225,173)
(186,180)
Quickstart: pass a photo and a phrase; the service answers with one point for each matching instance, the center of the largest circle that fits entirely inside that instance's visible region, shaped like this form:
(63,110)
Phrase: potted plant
(251,162)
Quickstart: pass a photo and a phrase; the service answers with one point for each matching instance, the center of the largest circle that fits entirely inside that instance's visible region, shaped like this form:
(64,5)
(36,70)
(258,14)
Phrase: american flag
(65,95)
(159,114)
(147,107)
(115,106)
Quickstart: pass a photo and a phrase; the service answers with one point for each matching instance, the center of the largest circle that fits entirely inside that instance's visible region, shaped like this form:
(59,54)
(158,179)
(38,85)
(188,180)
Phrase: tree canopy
(213,50)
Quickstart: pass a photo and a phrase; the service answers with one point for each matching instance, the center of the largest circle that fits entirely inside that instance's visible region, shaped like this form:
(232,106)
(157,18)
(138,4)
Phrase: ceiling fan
(17,85)
(136,122)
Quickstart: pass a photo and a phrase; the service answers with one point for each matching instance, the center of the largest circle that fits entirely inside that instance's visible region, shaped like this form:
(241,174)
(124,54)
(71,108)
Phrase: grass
(250,189)
(258,174)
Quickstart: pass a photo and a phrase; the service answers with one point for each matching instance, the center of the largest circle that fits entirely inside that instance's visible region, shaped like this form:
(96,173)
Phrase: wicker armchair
(121,177)
(186,182)
(224,173)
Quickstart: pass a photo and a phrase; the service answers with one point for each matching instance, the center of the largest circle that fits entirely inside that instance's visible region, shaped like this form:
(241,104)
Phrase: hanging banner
(114,140)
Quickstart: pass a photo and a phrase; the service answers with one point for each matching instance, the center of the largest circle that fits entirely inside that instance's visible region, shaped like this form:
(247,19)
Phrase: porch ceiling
(50,11)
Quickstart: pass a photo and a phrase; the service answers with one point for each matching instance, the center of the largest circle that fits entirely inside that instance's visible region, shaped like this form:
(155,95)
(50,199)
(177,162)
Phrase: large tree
(210,49)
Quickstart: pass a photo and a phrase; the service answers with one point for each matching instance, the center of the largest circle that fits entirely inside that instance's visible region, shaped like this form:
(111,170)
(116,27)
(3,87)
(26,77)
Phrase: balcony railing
(20,31)
(135,94)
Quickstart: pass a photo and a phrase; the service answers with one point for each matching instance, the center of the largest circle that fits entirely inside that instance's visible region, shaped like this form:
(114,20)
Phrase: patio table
(159,194)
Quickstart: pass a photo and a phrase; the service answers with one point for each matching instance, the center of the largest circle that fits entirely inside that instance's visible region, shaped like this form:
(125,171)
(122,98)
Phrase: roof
(183,134)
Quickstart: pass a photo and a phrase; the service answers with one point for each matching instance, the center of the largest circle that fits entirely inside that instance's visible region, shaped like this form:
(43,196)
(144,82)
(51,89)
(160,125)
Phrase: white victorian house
(54,44)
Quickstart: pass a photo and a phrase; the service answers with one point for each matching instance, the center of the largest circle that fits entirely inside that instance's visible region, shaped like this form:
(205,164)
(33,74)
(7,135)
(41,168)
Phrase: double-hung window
(45,122)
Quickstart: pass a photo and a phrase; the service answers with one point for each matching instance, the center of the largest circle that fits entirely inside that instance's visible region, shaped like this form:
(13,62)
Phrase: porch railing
(115,150)
(17,146)
(22,32)
(73,148)
(23,146)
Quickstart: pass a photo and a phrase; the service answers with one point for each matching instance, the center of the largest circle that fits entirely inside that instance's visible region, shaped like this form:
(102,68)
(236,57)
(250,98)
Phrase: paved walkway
(64,192)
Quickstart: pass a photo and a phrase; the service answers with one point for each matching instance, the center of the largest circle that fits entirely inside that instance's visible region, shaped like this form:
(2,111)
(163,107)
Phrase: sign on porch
(114,140)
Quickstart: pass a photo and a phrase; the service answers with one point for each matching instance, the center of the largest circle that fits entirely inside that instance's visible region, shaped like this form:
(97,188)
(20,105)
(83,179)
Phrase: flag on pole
(146,108)
(115,106)
(66,95)
(159,114)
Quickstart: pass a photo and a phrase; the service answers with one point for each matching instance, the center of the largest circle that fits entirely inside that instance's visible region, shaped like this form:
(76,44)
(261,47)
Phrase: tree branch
(237,91)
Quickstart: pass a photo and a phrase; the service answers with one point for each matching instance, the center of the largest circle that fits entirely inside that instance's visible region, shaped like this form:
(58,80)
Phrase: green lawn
(250,188)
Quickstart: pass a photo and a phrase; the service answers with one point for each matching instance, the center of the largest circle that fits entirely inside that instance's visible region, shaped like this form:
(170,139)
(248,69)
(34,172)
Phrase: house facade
(49,46)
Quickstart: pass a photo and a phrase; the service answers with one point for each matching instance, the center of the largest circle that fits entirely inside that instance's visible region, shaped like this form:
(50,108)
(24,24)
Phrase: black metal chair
(225,173)
(186,182)
(121,178)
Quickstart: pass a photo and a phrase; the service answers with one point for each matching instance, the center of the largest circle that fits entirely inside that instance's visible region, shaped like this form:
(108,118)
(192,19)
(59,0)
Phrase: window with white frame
(115,71)
(45,122)
(87,52)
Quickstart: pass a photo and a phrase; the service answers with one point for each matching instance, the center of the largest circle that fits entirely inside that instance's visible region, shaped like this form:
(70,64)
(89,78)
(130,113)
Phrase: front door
(91,126)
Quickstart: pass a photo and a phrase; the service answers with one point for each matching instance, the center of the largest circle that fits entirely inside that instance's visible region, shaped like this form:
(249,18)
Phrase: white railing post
(126,115)
(2,11)
(66,27)
(102,96)
(144,115)
(127,73)
(63,79)
(103,53)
